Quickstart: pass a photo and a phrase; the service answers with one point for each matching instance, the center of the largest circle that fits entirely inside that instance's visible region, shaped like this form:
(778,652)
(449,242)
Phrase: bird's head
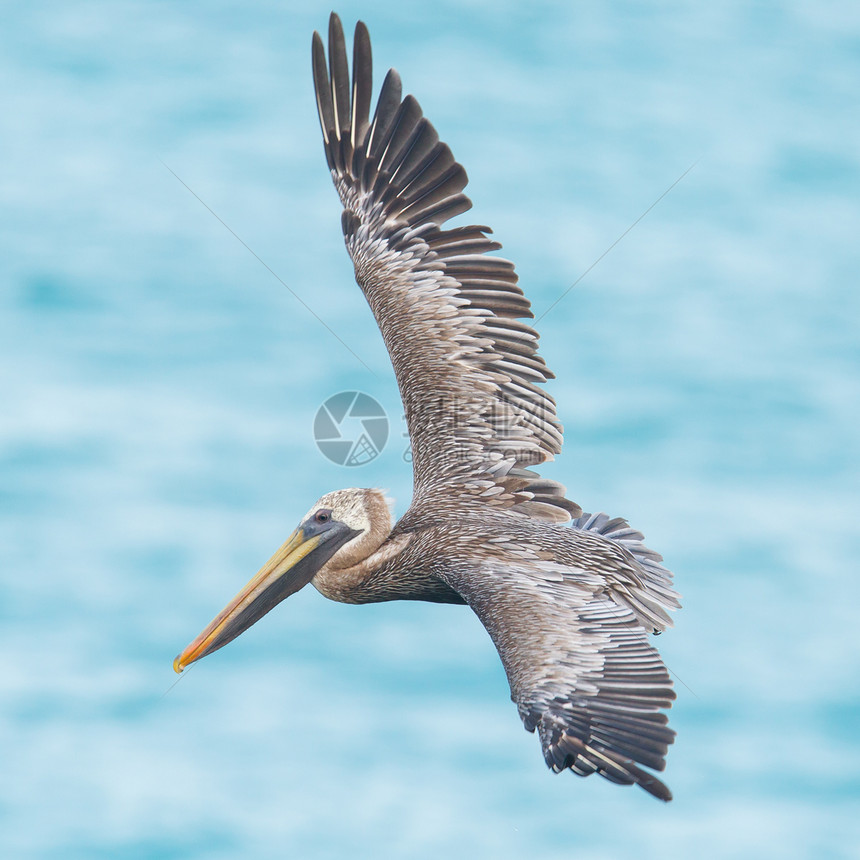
(342,529)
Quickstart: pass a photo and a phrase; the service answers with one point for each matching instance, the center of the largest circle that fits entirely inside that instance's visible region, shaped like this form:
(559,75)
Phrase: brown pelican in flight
(568,598)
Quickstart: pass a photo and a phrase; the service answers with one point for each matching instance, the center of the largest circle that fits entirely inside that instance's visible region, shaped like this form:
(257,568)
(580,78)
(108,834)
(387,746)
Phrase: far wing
(581,669)
(468,369)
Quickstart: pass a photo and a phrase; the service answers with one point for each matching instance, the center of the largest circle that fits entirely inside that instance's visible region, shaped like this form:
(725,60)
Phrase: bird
(569,599)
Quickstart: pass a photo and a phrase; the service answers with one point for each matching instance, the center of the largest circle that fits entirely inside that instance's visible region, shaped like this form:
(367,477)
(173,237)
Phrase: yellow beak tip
(177,664)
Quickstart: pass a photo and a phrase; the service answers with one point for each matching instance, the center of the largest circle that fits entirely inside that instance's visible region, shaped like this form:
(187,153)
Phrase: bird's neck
(352,584)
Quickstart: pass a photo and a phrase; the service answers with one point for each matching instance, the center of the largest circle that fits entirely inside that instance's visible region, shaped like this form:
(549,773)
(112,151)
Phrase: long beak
(292,567)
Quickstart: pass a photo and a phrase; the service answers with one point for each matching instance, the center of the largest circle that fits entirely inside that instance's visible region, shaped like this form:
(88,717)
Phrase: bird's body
(568,598)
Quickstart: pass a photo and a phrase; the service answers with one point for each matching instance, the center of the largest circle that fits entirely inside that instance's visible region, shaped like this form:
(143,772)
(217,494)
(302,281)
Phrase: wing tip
(582,759)
(334,24)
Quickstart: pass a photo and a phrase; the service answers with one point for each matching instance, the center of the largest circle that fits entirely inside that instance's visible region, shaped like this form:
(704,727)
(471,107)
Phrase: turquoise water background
(158,388)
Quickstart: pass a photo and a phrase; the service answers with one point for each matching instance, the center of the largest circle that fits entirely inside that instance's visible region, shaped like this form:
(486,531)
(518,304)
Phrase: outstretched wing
(468,369)
(574,643)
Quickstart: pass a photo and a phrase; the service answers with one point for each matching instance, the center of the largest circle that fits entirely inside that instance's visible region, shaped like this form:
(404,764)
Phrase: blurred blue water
(158,388)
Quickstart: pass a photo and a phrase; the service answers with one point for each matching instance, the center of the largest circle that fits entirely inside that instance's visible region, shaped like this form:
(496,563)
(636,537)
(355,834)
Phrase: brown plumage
(568,604)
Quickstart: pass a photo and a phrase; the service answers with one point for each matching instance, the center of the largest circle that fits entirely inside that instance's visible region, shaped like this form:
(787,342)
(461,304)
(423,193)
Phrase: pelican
(568,598)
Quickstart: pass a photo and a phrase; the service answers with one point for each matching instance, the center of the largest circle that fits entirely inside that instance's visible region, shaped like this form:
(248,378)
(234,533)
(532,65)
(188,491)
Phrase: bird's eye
(322,516)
